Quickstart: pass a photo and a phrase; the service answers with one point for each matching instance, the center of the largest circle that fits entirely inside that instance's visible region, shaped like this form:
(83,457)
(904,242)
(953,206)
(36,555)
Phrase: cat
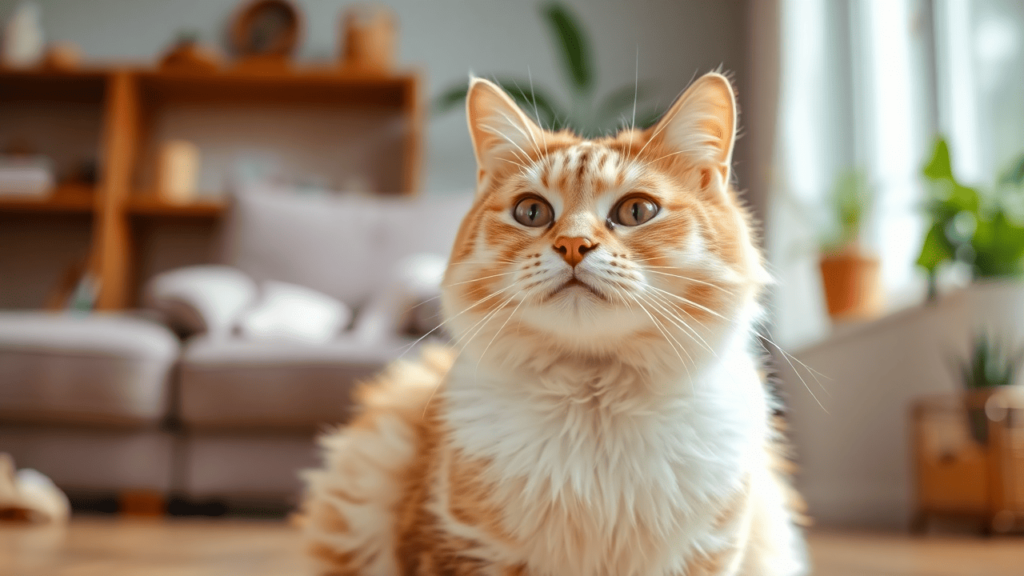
(600,412)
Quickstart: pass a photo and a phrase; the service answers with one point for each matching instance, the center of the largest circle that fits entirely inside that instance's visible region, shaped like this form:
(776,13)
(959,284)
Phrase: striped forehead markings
(577,163)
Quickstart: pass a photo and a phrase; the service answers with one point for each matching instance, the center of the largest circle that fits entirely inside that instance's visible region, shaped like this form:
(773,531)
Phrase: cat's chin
(577,314)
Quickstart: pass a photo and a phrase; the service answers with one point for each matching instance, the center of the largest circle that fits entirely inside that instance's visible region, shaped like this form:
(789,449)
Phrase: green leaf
(620,101)
(649,118)
(936,249)
(939,167)
(575,48)
(999,247)
(449,98)
(533,102)
(1015,174)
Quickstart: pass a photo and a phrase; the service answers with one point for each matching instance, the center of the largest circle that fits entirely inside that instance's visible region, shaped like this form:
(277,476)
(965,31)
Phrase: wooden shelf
(132,102)
(65,199)
(151,206)
(290,86)
(35,85)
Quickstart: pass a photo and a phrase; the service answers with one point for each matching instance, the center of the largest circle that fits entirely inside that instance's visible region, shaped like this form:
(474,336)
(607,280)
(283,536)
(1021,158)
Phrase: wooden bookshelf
(128,98)
(65,199)
(152,206)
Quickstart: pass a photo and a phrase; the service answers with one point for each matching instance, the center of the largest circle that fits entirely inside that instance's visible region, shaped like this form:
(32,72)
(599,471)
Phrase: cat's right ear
(504,137)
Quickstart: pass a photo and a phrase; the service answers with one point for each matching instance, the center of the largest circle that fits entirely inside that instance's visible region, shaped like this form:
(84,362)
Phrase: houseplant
(585,114)
(982,230)
(850,275)
(989,367)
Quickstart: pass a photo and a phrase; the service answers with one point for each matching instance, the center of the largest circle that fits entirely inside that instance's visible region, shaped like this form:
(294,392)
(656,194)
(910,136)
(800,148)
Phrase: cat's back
(353,501)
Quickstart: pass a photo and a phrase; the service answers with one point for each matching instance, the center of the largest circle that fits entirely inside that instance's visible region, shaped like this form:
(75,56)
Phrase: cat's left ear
(701,125)
(503,135)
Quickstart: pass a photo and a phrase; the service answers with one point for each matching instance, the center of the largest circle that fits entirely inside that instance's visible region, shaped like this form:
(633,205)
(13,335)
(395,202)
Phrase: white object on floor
(29,495)
(293,312)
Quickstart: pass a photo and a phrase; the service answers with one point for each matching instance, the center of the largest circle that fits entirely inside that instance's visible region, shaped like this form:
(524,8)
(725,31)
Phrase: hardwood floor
(121,547)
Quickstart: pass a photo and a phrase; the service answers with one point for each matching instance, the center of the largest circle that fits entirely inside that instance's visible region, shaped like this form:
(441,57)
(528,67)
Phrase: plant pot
(852,286)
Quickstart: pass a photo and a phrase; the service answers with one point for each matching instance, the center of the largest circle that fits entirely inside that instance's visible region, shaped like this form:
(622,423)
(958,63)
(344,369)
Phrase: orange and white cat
(601,413)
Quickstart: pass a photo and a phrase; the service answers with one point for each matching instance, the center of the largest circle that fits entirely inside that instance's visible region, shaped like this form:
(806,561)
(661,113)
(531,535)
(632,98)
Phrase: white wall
(445,39)
(853,450)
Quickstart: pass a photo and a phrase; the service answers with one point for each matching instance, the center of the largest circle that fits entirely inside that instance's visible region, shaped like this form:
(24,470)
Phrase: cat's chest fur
(595,464)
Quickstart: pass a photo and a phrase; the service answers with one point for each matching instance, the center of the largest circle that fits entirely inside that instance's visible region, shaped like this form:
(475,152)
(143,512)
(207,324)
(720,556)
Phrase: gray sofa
(118,403)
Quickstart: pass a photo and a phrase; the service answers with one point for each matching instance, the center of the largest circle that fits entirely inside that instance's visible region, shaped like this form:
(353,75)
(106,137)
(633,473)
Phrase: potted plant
(983,231)
(988,369)
(849,273)
(586,114)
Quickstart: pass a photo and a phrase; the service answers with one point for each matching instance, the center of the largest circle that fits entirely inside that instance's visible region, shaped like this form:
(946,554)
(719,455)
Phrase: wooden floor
(113,547)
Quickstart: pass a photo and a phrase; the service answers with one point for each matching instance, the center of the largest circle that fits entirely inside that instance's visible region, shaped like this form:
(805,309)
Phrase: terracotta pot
(852,283)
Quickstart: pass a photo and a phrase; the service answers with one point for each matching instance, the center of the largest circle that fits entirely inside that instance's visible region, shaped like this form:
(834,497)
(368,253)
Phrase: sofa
(187,405)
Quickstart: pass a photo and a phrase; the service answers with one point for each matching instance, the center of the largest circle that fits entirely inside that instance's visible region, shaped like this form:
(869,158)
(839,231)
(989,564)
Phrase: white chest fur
(602,470)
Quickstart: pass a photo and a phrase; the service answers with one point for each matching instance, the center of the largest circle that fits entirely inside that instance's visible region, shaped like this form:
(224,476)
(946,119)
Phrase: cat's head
(632,246)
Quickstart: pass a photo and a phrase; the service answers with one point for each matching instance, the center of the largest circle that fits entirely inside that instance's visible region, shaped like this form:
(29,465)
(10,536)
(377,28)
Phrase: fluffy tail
(349,512)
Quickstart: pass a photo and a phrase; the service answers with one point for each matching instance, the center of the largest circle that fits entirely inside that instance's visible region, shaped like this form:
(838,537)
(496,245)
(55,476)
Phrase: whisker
(495,337)
(456,345)
(510,141)
(409,347)
(470,334)
(814,373)
(664,122)
(521,131)
(688,301)
(636,92)
(678,321)
(688,279)
(480,278)
(802,381)
(668,338)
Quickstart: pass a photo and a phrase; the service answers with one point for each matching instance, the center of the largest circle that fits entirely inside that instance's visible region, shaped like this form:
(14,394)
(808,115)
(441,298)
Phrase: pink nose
(573,249)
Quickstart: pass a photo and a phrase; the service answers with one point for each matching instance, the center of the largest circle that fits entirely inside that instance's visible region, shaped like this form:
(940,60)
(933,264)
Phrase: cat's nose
(573,249)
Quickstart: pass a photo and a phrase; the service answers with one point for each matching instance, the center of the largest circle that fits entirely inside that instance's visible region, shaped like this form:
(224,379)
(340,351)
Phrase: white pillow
(201,298)
(410,305)
(291,312)
(418,281)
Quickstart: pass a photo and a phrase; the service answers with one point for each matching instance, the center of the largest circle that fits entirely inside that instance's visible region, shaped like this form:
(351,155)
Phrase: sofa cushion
(198,299)
(94,368)
(233,383)
(291,312)
(343,246)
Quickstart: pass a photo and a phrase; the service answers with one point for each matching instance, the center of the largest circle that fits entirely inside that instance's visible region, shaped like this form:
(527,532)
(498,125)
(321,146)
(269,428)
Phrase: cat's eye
(634,211)
(533,212)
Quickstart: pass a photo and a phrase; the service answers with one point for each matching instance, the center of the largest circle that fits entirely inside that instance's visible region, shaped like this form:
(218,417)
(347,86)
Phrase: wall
(850,422)
(445,39)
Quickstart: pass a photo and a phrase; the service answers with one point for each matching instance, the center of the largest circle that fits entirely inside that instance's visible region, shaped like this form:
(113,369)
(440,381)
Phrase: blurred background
(216,215)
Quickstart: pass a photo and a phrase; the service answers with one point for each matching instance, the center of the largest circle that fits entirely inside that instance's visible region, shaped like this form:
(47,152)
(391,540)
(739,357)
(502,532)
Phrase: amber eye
(533,212)
(634,211)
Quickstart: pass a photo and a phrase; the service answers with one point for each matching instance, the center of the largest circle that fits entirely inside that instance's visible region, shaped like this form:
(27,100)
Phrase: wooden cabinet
(969,458)
(135,106)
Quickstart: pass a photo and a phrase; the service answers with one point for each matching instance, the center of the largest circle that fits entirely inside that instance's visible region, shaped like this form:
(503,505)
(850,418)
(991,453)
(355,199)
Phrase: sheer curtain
(868,84)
